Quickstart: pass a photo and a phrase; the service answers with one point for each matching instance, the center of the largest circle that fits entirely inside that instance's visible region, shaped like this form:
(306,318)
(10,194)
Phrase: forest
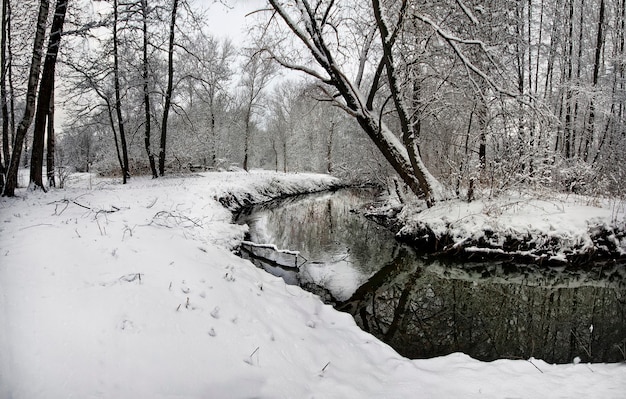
(445,98)
(347,199)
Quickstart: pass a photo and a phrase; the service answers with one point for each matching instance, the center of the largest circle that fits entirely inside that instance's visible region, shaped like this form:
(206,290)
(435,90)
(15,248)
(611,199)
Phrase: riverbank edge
(608,240)
(237,201)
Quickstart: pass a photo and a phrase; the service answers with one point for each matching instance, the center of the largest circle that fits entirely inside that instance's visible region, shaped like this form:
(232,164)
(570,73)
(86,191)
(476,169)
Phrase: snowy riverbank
(133,291)
(556,230)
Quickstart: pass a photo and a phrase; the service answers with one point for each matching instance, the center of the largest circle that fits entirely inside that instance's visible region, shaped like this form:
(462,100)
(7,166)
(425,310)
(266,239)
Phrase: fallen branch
(67,202)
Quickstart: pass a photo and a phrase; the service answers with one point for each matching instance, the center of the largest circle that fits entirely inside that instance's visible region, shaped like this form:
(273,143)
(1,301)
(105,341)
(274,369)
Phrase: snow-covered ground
(111,291)
(557,228)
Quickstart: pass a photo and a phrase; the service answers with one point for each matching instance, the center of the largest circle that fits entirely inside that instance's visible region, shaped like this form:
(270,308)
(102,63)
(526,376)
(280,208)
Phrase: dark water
(425,308)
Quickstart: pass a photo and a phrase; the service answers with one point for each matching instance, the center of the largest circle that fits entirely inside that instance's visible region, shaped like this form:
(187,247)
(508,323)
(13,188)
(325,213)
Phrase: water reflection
(428,308)
(422,313)
(342,248)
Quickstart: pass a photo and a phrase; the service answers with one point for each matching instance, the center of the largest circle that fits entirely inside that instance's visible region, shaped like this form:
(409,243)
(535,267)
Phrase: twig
(56,208)
(531,362)
(36,225)
(622,351)
(255,351)
(81,205)
(582,344)
(180,219)
(129,230)
(131,277)
(153,202)
(324,368)
(249,359)
(75,202)
(100,228)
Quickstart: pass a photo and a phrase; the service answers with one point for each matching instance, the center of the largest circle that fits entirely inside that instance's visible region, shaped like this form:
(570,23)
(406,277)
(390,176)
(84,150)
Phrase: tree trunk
(521,75)
(31,96)
(596,70)
(329,147)
(568,134)
(285,155)
(481,113)
(403,159)
(551,53)
(465,159)
(118,101)
(408,133)
(3,95)
(46,88)
(213,136)
(10,76)
(538,54)
(115,139)
(146,89)
(275,154)
(246,145)
(168,92)
(50,147)
(575,115)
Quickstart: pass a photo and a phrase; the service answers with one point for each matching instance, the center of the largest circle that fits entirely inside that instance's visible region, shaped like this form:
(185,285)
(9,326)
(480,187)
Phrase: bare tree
(257,73)
(118,101)
(31,96)
(51,145)
(596,70)
(3,94)
(168,91)
(146,87)
(46,90)
(316,27)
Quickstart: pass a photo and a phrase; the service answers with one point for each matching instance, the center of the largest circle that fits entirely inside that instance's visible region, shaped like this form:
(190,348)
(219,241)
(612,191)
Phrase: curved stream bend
(425,308)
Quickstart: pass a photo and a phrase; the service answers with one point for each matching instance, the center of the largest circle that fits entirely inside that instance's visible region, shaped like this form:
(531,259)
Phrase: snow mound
(570,229)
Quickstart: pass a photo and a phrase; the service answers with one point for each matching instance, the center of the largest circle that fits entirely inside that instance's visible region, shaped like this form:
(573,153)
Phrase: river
(426,307)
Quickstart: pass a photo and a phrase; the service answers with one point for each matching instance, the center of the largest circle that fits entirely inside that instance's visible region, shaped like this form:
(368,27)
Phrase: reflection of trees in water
(325,229)
(423,315)
(488,311)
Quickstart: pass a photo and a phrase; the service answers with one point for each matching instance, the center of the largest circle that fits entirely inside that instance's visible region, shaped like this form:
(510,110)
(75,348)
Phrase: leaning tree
(323,31)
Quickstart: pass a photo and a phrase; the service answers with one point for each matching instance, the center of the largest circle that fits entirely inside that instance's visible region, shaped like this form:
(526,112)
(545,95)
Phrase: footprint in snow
(127,325)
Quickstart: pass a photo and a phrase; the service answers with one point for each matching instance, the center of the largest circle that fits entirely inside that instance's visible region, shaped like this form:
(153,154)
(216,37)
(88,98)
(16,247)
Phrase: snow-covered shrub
(579,177)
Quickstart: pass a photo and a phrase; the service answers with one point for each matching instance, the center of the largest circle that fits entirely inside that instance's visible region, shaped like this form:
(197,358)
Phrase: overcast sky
(231,21)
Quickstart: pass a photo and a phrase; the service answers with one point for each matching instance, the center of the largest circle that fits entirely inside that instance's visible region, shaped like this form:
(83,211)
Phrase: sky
(230,20)
(226,19)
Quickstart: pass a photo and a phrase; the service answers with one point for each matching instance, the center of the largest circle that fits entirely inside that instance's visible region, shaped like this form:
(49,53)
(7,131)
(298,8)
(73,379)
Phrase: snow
(133,292)
(557,226)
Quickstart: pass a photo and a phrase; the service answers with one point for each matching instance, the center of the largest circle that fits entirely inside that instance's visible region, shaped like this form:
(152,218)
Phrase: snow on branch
(468,12)
(453,41)
(296,67)
(313,40)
